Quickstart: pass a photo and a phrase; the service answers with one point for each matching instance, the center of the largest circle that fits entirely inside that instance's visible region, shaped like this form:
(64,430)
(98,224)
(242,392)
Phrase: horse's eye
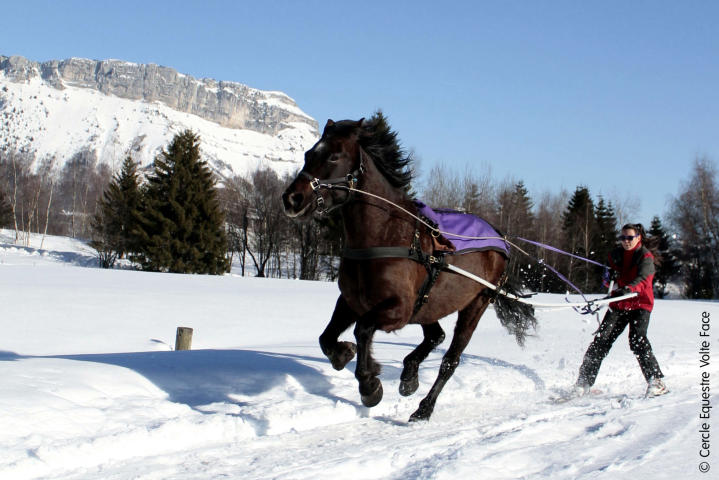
(334,158)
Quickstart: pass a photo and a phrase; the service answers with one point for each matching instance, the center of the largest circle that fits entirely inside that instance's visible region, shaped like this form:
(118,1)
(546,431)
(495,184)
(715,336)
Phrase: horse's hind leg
(466,324)
(339,353)
(409,381)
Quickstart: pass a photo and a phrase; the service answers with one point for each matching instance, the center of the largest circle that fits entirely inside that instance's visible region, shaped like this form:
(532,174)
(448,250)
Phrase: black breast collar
(434,263)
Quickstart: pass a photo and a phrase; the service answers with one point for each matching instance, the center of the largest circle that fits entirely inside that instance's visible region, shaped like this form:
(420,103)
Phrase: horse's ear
(360,122)
(330,123)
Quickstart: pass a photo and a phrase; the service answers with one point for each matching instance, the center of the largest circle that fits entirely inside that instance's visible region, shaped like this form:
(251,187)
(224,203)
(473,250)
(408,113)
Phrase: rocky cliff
(57,107)
(229,104)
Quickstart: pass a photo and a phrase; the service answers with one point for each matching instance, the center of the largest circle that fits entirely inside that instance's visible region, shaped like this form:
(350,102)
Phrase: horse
(359,169)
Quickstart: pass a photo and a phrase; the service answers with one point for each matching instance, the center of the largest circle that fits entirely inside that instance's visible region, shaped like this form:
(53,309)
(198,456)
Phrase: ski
(616,401)
(566,395)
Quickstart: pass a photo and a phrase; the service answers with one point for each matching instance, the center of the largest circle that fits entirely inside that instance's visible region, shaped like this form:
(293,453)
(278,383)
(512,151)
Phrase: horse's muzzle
(296,203)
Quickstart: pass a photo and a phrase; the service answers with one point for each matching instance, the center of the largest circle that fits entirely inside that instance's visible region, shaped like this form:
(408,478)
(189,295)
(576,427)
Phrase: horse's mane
(380,142)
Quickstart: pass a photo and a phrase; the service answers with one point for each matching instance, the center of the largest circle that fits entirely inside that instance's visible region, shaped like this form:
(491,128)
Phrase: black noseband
(346,183)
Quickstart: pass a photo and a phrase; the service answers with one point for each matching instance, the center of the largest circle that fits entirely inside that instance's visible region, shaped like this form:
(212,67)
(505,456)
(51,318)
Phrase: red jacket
(636,272)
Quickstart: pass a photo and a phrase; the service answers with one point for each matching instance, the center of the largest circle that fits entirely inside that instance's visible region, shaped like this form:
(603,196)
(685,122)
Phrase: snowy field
(91,389)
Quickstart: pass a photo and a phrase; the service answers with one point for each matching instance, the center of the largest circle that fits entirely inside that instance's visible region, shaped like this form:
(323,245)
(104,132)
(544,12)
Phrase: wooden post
(183,341)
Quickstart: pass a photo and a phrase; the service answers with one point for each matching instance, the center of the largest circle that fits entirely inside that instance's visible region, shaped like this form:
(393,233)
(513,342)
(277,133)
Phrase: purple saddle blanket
(467,225)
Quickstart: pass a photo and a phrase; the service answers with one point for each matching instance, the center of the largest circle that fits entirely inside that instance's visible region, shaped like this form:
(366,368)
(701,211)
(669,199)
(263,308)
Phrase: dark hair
(651,242)
(637,227)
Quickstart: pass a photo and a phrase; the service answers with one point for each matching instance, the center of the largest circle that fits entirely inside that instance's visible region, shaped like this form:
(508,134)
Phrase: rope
(587,305)
(466,237)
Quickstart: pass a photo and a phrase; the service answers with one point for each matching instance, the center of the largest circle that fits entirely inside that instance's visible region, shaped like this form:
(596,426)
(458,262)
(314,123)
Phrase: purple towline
(554,249)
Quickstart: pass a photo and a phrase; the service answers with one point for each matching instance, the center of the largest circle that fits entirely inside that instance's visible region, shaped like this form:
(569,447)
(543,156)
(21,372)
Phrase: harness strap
(434,266)
(493,293)
(433,263)
(433,271)
(377,252)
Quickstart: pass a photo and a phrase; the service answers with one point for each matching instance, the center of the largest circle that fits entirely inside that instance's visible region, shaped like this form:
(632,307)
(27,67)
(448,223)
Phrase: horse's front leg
(339,353)
(388,315)
(367,370)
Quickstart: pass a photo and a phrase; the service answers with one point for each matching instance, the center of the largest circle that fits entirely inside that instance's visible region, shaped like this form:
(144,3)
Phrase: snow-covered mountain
(112,107)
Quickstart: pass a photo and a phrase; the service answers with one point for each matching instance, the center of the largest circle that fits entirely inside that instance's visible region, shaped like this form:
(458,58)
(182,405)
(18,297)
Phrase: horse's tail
(517,317)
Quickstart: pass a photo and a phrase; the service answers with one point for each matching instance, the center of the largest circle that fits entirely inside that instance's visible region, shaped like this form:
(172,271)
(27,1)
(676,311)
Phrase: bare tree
(443,189)
(25,188)
(480,193)
(626,206)
(265,217)
(14,173)
(48,177)
(80,187)
(694,215)
(235,202)
(548,230)
(467,191)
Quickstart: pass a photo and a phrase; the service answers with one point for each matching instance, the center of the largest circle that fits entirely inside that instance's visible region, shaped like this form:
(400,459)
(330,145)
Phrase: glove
(609,276)
(619,292)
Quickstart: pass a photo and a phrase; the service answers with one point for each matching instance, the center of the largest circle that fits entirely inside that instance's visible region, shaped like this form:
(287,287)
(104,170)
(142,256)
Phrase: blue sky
(620,96)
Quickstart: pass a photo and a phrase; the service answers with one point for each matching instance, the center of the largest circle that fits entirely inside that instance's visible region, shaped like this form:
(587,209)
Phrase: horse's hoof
(422,413)
(342,355)
(420,416)
(408,387)
(374,398)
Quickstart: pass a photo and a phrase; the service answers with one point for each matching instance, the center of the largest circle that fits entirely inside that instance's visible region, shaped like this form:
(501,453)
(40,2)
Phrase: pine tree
(181,227)
(517,218)
(115,222)
(5,210)
(580,227)
(668,265)
(606,238)
(548,232)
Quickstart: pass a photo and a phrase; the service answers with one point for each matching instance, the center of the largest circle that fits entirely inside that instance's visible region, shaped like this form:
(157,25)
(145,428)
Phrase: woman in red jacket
(634,264)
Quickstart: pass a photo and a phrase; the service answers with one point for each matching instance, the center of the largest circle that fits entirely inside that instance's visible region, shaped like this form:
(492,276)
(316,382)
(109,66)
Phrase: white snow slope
(60,123)
(91,389)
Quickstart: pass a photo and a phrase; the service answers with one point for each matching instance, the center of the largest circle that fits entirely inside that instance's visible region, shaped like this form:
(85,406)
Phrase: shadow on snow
(202,377)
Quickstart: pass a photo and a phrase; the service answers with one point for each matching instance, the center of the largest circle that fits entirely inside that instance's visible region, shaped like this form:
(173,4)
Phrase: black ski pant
(612,326)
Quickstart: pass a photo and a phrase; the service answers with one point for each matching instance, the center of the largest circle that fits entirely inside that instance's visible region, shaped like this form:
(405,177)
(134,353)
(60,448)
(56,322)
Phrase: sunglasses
(627,238)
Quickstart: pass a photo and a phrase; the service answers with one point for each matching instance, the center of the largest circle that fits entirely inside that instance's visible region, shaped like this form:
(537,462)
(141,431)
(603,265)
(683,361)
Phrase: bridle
(347,183)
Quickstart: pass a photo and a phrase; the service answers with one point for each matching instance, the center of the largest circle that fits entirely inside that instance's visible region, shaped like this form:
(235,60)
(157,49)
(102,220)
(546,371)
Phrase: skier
(634,265)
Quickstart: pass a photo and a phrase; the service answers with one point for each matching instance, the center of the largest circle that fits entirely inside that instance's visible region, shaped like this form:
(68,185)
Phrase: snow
(59,123)
(91,388)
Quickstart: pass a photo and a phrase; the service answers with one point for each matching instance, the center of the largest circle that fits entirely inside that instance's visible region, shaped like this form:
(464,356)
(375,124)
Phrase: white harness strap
(600,301)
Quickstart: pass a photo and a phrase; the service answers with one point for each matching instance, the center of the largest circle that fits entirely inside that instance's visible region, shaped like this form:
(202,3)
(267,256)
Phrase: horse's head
(333,160)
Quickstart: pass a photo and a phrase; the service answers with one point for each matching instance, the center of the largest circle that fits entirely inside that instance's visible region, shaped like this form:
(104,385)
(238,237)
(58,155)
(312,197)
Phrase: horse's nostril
(296,199)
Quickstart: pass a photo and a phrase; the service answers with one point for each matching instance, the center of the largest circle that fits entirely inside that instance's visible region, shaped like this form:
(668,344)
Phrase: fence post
(183,341)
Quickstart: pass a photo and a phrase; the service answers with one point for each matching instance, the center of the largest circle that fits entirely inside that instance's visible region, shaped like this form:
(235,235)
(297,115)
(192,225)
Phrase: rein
(435,230)
(434,264)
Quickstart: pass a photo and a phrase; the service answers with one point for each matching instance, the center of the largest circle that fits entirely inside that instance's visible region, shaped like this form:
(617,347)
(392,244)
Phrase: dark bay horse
(381,292)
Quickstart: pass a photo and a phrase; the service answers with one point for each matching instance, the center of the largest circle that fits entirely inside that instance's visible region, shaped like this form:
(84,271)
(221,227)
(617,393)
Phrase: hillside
(111,107)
